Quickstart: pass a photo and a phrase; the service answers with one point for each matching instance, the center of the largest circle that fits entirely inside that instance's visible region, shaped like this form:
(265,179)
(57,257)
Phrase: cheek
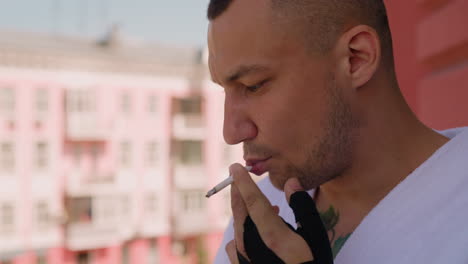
(290,120)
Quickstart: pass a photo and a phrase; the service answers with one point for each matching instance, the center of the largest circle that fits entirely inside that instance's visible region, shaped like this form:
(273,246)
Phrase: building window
(42,100)
(193,201)
(189,152)
(7,219)
(229,154)
(80,210)
(7,156)
(152,154)
(42,216)
(191,105)
(83,258)
(180,248)
(152,203)
(125,206)
(41,260)
(105,210)
(7,100)
(80,101)
(125,103)
(42,155)
(125,255)
(125,154)
(226,204)
(95,151)
(76,152)
(152,104)
(153,253)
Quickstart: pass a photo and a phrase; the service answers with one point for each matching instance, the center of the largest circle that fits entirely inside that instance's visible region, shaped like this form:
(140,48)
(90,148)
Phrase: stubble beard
(328,158)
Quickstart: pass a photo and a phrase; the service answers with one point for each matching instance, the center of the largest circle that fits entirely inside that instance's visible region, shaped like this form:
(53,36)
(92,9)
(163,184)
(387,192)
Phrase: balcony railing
(190,176)
(82,236)
(188,126)
(191,223)
(190,212)
(86,126)
(82,183)
(96,221)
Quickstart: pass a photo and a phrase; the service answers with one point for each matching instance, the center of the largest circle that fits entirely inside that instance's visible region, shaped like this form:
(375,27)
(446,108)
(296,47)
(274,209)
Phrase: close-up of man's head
(293,72)
(321,22)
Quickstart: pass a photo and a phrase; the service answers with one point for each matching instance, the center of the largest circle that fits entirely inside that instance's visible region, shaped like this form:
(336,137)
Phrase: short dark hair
(326,18)
(217,7)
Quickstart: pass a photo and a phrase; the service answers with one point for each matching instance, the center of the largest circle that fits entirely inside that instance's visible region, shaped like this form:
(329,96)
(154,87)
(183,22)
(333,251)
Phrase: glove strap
(255,248)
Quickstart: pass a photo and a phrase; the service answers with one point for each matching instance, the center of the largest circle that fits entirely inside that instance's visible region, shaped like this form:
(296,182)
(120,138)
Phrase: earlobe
(364,54)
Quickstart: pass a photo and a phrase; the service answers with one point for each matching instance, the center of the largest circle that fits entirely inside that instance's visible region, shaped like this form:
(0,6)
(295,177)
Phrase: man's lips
(259,166)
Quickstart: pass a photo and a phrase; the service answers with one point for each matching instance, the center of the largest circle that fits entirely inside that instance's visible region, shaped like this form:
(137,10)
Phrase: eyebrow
(244,70)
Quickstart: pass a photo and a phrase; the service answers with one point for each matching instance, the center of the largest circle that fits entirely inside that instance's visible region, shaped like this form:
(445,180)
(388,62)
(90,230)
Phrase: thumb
(291,186)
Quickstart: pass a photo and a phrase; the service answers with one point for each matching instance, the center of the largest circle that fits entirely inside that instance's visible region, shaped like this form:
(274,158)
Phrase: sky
(173,22)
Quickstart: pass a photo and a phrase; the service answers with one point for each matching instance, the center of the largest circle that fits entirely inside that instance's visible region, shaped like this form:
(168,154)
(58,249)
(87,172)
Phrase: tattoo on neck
(330,219)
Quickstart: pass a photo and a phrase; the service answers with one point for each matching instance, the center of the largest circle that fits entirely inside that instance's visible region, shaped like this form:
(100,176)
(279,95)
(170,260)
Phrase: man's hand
(248,200)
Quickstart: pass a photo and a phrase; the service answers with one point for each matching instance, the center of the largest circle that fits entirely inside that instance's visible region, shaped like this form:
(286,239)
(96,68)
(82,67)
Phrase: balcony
(188,126)
(96,221)
(154,224)
(190,176)
(81,183)
(83,236)
(189,224)
(190,213)
(86,126)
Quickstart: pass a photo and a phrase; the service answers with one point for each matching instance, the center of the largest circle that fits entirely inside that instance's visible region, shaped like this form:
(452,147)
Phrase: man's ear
(361,48)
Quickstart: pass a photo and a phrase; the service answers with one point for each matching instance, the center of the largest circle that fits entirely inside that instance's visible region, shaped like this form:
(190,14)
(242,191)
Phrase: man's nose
(238,127)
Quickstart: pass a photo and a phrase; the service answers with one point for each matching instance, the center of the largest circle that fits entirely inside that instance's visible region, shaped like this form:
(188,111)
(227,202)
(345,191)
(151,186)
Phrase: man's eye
(254,88)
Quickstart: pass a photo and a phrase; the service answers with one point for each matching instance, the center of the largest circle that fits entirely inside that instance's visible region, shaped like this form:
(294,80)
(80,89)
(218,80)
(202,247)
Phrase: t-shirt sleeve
(221,255)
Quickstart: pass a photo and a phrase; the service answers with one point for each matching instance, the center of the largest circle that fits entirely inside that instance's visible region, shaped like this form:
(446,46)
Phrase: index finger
(239,214)
(258,206)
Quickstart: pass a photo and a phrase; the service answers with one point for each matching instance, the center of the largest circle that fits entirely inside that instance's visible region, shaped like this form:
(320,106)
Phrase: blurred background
(110,128)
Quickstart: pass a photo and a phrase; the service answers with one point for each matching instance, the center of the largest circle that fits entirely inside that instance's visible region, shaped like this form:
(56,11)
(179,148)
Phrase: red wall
(431,51)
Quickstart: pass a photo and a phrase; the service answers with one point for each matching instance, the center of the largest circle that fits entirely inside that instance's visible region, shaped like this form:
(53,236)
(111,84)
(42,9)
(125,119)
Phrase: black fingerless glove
(310,228)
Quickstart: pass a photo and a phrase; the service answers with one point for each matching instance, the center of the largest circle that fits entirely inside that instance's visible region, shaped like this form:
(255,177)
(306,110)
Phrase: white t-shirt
(424,219)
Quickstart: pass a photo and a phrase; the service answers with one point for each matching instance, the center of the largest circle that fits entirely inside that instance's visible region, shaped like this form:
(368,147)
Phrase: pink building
(106,149)
(106,153)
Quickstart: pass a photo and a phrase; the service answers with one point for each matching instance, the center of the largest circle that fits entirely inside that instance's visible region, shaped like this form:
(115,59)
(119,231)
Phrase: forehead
(245,34)
(243,16)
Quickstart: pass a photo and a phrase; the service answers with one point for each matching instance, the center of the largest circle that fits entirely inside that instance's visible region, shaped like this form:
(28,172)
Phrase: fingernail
(233,168)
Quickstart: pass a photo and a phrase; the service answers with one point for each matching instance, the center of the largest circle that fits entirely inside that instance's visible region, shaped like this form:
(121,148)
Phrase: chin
(278,180)
(308,182)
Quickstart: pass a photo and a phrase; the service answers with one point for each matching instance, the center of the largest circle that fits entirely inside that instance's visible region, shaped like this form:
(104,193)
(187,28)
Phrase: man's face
(282,102)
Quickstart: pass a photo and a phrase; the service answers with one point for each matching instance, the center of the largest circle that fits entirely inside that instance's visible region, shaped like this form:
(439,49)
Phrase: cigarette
(224,184)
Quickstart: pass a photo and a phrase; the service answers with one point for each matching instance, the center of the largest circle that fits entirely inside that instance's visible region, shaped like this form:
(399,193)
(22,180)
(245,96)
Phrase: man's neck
(390,147)
(388,152)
